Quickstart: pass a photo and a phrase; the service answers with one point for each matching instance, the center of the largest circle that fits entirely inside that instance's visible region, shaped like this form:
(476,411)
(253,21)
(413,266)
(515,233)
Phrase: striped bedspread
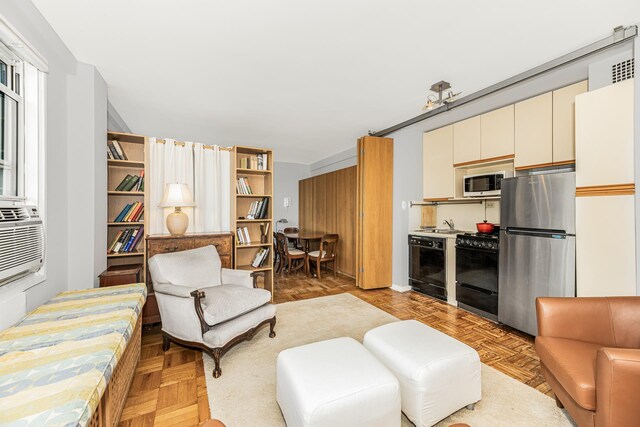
(56,362)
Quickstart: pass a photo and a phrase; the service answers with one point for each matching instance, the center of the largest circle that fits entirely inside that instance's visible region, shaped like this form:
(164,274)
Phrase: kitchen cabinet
(438,173)
(497,133)
(374,238)
(534,132)
(604,136)
(605,260)
(564,122)
(466,140)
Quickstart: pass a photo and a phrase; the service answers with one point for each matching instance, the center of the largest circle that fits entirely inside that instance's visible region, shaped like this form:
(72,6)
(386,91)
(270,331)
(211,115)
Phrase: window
(11,116)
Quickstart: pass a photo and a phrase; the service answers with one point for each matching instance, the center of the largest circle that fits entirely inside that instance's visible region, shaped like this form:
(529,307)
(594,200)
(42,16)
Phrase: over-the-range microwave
(484,184)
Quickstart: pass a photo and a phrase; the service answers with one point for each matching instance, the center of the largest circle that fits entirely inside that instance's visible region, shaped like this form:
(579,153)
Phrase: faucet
(449,223)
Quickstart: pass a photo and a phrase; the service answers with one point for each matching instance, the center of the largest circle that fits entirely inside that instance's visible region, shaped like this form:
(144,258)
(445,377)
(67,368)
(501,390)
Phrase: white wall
(343,159)
(285,184)
(67,138)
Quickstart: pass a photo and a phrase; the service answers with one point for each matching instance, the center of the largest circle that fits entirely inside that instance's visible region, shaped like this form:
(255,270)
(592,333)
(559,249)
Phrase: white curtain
(207,173)
(169,163)
(212,189)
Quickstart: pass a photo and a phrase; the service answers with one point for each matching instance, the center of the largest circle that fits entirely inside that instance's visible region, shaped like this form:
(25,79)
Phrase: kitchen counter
(440,235)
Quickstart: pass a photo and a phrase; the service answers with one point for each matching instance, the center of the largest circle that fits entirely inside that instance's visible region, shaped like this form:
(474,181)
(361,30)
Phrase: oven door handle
(489,251)
(484,291)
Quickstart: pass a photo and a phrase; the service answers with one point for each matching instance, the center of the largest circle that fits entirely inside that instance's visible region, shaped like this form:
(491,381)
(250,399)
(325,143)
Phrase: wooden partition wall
(328,204)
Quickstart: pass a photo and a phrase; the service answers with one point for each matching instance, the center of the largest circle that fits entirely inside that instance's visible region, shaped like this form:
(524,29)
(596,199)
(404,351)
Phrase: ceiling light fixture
(439,88)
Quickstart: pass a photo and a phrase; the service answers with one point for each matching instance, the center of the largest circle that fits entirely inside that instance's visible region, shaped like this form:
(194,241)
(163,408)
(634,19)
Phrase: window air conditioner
(21,241)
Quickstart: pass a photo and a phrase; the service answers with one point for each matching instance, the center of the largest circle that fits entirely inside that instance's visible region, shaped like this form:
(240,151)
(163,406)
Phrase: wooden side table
(121,275)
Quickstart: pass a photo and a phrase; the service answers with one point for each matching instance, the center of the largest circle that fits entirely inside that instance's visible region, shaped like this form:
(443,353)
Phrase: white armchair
(206,306)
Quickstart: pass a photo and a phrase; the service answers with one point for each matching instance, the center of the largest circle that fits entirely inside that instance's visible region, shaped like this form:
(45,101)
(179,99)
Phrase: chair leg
(272,325)
(166,343)
(319,267)
(558,403)
(216,354)
(307,267)
(334,268)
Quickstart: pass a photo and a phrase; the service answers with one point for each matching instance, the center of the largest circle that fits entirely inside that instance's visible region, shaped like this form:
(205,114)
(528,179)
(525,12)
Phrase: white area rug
(244,396)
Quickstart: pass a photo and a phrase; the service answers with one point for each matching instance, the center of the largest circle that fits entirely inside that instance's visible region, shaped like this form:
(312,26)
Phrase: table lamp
(177,196)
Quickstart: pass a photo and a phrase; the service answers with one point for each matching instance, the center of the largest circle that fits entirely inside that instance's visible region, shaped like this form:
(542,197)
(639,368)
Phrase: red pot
(485,227)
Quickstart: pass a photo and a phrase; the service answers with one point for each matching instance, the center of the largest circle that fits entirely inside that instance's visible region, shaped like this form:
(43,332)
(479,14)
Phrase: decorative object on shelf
(439,88)
(281,221)
(177,196)
(264,232)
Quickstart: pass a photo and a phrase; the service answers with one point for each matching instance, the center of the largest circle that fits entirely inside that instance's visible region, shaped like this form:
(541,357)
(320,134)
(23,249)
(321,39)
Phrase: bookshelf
(261,183)
(133,147)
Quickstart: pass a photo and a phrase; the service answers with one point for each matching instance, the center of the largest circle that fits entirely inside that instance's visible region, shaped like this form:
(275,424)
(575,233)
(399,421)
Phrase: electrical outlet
(491,204)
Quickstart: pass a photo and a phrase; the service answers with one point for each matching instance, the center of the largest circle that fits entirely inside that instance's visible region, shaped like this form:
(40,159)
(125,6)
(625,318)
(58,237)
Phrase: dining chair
(294,242)
(326,254)
(295,258)
(277,258)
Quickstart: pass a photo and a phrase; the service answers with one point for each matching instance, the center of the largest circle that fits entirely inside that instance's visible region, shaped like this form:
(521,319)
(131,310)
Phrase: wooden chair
(290,256)
(326,254)
(295,242)
(277,257)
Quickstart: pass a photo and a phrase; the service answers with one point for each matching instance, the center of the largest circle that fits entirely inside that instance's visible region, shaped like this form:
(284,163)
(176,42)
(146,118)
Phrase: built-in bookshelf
(252,211)
(126,216)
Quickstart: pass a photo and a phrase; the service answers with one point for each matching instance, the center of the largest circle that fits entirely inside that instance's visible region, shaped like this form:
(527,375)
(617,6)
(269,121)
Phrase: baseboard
(401,288)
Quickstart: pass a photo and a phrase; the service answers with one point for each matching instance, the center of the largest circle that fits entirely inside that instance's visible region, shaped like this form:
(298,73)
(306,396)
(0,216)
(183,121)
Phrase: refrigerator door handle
(551,234)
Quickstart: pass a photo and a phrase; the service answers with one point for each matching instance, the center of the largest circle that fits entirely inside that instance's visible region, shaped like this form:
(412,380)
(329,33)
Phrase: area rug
(244,396)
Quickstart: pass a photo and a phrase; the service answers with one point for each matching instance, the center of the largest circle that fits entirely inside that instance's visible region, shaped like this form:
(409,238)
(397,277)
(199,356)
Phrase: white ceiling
(308,78)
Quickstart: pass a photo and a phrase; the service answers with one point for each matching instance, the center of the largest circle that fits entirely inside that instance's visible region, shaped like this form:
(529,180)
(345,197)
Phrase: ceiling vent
(623,70)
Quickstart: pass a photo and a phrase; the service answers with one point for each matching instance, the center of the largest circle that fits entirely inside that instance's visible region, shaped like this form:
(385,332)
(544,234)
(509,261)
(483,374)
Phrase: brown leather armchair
(589,350)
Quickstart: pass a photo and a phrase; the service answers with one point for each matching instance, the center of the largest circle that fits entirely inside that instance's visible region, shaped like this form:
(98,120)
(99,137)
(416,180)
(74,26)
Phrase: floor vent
(623,70)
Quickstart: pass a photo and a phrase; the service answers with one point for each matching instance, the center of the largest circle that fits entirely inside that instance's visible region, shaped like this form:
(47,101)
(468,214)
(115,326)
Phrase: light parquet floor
(169,388)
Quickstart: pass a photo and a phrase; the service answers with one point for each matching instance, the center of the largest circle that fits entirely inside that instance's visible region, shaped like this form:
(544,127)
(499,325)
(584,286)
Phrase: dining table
(306,237)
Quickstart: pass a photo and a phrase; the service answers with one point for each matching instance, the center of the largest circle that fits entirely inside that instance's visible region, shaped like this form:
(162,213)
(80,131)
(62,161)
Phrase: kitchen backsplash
(465,216)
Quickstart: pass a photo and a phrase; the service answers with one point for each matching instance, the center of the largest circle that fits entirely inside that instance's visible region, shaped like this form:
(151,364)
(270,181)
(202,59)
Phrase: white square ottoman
(336,383)
(438,374)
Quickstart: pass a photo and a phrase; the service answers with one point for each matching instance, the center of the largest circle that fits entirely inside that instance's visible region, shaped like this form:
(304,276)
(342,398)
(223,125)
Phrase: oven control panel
(427,242)
(465,241)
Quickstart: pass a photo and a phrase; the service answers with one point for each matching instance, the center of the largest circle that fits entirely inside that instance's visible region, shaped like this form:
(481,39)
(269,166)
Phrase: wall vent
(623,70)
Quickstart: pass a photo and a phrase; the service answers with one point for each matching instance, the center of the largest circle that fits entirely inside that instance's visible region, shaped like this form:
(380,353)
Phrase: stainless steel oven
(484,184)
(427,265)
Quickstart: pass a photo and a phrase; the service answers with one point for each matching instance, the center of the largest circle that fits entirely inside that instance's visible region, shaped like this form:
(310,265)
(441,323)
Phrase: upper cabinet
(604,136)
(533,132)
(466,140)
(437,152)
(564,150)
(497,133)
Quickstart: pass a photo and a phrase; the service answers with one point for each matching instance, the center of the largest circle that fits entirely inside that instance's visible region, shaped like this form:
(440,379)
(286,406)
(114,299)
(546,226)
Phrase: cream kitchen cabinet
(605,259)
(497,133)
(604,136)
(534,132)
(466,140)
(437,152)
(564,122)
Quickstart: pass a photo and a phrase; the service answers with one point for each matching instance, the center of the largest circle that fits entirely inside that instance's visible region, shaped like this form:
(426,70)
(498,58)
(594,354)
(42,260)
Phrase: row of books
(132,183)
(259,209)
(115,151)
(243,187)
(257,162)
(242,236)
(260,258)
(132,212)
(126,241)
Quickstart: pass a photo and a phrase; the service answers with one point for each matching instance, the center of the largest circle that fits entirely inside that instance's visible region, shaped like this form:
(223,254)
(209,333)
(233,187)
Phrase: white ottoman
(438,374)
(336,383)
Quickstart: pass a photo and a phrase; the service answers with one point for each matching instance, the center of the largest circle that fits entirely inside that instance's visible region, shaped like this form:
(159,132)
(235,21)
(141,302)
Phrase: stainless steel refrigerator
(537,245)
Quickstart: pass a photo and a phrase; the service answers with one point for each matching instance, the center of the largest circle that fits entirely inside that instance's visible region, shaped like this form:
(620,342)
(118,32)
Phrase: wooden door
(375,197)
(438,172)
(564,121)
(305,207)
(533,132)
(604,136)
(605,261)
(320,203)
(466,140)
(497,133)
(346,196)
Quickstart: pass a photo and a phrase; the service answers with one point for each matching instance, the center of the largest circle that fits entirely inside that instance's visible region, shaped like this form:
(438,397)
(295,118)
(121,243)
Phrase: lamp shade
(176,195)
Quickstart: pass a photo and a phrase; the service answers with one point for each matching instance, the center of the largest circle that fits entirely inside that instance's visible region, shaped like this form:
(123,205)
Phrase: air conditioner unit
(21,241)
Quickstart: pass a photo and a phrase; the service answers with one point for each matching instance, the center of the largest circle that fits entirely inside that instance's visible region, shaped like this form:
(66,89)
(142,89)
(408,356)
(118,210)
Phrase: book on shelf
(259,209)
(243,187)
(112,149)
(132,183)
(119,151)
(132,212)
(109,153)
(257,162)
(242,236)
(260,258)
(126,241)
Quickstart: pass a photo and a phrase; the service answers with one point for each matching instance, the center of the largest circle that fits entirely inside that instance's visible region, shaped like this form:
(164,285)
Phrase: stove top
(480,240)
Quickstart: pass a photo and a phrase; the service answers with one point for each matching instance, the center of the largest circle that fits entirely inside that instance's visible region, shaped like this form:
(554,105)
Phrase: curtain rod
(182,144)
(620,35)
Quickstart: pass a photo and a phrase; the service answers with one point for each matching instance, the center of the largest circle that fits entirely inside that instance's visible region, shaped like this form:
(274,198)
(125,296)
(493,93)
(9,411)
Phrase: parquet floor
(169,388)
